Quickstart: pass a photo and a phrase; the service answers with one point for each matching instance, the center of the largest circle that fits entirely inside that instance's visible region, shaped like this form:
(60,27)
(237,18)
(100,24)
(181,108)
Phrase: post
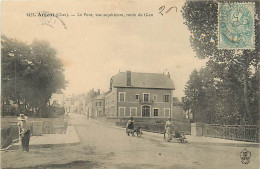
(196,129)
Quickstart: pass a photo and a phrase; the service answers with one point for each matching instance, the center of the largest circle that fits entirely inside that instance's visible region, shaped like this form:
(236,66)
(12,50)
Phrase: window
(166,98)
(146,111)
(100,103)
(166,112)
(155,112)
(121,96)
(137,96)
(133,111)
(121,111)
(96,103)
(146,97)
(154,97)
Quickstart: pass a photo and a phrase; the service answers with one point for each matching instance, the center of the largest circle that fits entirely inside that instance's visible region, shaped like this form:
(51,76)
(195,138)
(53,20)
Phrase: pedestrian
(130,126)
(169,129)
(24,132)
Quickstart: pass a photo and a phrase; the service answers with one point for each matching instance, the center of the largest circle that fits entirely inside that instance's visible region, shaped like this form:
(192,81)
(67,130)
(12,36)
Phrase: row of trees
(225,91)
(30,74)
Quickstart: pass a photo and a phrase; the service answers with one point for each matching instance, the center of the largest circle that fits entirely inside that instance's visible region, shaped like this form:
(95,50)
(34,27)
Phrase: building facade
(98,106)
(146,95)
(57,99)
(94,104)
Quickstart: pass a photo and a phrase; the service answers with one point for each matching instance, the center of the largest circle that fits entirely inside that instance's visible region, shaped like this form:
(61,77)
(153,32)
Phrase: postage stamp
(236,29)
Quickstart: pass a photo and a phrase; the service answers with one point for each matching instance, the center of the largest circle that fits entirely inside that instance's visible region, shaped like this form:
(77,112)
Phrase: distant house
(146,95)
(57,99)
(92,105)
(98,106)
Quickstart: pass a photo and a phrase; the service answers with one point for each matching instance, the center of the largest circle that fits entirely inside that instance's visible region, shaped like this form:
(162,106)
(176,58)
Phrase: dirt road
(103,146)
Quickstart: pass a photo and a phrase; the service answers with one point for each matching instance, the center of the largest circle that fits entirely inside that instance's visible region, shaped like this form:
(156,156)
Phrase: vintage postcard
(158,84)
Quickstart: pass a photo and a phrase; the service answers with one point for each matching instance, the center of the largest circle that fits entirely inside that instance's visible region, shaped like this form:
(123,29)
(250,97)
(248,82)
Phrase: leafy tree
(30,74)
(234,69)
(14,63)
(47,72)
(200,95)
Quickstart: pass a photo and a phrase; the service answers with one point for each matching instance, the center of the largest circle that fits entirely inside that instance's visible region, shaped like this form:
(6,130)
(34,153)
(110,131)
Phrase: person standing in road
(130,126)
(24,131)
(169,129)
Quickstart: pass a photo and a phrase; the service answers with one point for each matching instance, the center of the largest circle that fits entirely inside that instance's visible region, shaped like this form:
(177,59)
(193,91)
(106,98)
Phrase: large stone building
(146,95)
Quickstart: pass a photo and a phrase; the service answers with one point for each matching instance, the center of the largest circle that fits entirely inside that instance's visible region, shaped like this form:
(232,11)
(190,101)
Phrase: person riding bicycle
(169,129)
(130,126)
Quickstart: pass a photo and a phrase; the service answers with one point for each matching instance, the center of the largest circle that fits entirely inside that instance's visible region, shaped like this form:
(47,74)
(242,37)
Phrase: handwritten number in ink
(161,10)
(171,9)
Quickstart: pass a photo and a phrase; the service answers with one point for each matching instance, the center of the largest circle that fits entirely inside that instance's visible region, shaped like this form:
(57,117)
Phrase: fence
(231,132)
(9,134)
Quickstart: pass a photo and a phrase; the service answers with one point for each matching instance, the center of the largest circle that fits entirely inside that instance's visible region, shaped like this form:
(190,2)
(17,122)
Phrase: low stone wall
(108,121)
(49,125)
(159,127)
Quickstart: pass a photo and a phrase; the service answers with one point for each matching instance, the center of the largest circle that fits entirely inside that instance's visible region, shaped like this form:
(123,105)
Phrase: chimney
(128,78)
(169,76)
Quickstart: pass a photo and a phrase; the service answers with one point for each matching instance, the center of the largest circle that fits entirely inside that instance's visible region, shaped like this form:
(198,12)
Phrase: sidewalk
(198,140)
(52,140)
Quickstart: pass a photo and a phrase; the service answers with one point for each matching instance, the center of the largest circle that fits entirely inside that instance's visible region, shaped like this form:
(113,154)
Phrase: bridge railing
(232,132)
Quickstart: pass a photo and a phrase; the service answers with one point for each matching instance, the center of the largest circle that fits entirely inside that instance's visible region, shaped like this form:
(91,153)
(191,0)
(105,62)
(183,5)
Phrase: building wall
(98,107)
(111,103)
(57,99)
(132,103)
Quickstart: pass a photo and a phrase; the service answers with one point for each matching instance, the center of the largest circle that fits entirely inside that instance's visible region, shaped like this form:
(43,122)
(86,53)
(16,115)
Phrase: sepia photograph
(129,84)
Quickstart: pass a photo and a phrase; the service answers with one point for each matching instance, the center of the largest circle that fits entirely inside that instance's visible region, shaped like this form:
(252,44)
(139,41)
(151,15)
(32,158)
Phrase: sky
(93,49)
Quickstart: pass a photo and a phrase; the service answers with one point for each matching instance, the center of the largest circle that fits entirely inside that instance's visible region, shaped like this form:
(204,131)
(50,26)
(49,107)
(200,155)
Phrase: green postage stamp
(236,29)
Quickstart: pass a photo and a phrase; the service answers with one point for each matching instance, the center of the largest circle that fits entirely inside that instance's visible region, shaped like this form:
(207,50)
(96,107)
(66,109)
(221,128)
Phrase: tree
(235,69)
(14,63)
(47,73)
(200,95)
(30,73)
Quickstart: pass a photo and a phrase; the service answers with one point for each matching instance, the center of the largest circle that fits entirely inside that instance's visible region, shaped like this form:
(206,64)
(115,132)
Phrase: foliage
(55,112)
(234,72)
(30,74)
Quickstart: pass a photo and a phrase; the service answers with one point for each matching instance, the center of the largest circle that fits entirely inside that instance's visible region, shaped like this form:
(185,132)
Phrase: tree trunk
(245,83)
(3,107)
(19,106)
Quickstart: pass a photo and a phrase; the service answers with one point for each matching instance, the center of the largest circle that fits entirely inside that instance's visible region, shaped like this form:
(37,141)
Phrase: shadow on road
(73,164)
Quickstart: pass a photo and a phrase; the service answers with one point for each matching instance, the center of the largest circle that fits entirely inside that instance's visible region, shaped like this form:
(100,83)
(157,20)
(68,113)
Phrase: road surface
(109,147)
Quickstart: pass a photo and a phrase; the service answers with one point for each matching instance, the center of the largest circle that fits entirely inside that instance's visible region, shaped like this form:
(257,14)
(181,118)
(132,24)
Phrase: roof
(144,80)
(102,96)
(59,92)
